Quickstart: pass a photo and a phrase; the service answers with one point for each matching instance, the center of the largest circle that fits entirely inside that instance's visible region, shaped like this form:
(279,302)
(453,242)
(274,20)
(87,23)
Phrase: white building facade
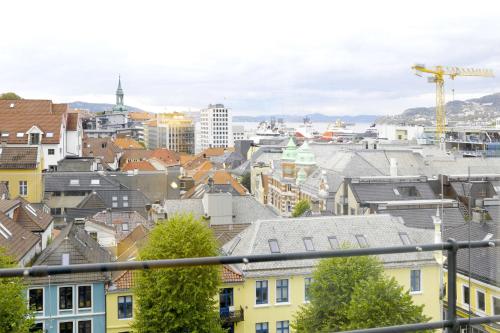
(216,127)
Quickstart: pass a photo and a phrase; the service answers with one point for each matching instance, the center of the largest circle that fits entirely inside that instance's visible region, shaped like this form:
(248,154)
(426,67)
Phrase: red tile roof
(127,143)
(141,166)
(100,147)
(231,275)
(19,116)
(72,121)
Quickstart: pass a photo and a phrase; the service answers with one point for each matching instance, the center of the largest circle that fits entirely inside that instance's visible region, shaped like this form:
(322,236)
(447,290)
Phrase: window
(20,134)
(282,326)
(74,181)
(55,211)
(38,327)
(495,305)
(362,240)
(5,134)
(56,194)
(307,286)
(261,328)
(65,259)
(273,245)
(261,292)
(36,299)
(480,301)
(404,238)
(66,327)
(407,191)
(94,181)
(124,307)
(282,291)
(466,295)
(34,138)
(85,326)
(114,204)
(125,204)
(114,198)
(334,242)
(125,227)
(23,187)
(51,151)
(65,298)
(84,297)
(308,243)
(49,135)
(125,198)
(415,282)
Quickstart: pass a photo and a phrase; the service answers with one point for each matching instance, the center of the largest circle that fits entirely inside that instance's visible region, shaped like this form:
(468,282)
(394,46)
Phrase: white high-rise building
(216,127)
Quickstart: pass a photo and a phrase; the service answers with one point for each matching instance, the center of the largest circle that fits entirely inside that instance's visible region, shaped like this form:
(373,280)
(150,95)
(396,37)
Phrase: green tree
(15,317)
(353,293)
(178,300)
(246,181)
(300,208)
(10,95)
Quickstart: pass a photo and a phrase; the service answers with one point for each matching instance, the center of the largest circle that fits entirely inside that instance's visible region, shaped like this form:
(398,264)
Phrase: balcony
(230,315)
(451,324)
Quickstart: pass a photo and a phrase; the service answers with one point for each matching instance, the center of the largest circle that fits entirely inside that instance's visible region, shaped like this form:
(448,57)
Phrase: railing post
(452,286)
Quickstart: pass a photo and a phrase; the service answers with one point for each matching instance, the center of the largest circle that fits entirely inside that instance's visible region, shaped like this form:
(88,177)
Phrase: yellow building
(21,171)
(482,295)
(120,304)
(273,291)
(173,131)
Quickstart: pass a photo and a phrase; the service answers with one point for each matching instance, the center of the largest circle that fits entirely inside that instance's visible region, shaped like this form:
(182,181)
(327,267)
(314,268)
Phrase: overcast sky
(257,57)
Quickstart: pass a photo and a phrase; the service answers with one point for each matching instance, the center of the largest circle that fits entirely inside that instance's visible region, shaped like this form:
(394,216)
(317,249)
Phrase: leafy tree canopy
(353,293)
(10,95)
(246,181)
(300,208)
(178,299)
(15,317)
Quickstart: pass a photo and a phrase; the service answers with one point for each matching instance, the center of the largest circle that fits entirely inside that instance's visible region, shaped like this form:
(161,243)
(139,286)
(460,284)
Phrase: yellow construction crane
(437,76)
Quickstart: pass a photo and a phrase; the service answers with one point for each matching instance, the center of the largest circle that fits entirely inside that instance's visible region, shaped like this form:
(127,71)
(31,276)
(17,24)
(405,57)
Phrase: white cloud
(258,57)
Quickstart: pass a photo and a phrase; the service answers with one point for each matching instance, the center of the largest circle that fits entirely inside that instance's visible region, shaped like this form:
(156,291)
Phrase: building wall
(113,324)
(32,176)
(74,143)
(51,316)
(51,160)
(216,127)
(489,290)
(277,312)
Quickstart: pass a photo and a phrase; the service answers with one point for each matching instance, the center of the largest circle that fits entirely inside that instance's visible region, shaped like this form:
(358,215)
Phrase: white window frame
(276,291)
(420,282)
(479,290)
(64,321)
(72,310)
(493,305)
(43,299)
(23,193)
(91,296)
(268,294)
(75,327)
(463,294)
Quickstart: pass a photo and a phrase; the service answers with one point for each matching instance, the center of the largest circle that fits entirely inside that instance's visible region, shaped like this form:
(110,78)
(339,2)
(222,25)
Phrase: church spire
(119,97)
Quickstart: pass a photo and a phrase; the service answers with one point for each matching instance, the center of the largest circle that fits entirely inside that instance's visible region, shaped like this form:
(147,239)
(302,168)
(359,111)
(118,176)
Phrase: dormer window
(34,138)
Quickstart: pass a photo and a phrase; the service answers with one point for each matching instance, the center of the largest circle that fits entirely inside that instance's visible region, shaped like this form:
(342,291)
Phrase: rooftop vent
(12,105)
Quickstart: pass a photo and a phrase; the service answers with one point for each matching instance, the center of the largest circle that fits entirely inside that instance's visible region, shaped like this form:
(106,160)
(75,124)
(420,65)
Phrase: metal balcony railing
(232,316)
(452,323)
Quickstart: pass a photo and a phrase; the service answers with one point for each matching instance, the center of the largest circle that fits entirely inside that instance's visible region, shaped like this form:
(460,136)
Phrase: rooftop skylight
(308,243)
(274,246)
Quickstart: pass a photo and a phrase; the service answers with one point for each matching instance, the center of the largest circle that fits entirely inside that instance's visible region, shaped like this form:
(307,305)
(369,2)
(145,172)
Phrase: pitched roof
(15,239)
(223,181)
(78,181)
(422,217)
(485,265)
(7,204)
(32,218)
(82,249)
(18,157)
(26,113)
(379,231)
(211,152)
(141,165)
(137,115)
(392,191)
(127,143)
(115,218)
(167,156)
(72,121)
(101,147)
(231,275)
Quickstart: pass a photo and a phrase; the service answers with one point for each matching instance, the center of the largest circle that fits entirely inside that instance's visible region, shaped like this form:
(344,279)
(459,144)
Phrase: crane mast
(437,75)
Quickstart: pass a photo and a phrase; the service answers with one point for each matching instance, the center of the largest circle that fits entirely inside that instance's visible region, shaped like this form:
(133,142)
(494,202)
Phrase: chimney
(394,167)
(437,227)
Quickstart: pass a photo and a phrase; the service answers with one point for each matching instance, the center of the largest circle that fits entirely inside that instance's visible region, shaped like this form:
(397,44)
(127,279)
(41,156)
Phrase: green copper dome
(305,155)
(290,152)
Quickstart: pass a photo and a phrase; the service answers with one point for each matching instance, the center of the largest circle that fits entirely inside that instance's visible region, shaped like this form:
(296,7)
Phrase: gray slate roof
(245,209)
(379,231)
(422,217)
(82,249)
(385,191)
(61,181)
(485,262)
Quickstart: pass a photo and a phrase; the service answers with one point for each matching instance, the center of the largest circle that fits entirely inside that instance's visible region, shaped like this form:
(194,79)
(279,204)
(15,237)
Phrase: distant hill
(315,117)
(97,107)
(476,110)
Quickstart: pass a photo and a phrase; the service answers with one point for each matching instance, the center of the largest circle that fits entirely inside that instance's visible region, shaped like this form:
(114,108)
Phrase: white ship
(337,131)
(270,130)
(306,130)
